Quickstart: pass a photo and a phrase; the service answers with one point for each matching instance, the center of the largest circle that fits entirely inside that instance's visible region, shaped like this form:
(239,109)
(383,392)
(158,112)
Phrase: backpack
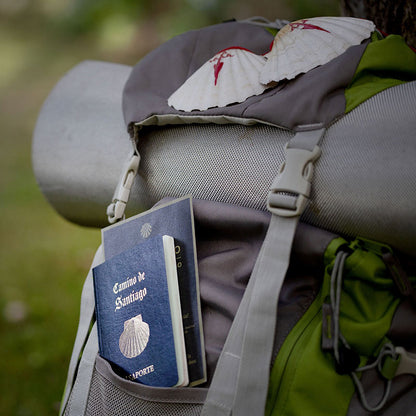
(305,233)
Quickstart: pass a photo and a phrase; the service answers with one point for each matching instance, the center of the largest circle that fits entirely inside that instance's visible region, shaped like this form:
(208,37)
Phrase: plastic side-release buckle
(291,188)
(115,210)
(407,362)
(398,362)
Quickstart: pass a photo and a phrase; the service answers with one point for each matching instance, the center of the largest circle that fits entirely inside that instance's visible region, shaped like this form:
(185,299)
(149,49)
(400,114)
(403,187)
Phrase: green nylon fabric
(384,64)
(303,378)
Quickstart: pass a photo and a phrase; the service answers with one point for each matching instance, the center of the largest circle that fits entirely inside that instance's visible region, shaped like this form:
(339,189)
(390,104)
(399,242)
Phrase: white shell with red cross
(231,76)
(305,44)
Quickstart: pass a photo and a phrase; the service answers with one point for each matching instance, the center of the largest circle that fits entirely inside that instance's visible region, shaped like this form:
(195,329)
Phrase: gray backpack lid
(314,97)
(363,182)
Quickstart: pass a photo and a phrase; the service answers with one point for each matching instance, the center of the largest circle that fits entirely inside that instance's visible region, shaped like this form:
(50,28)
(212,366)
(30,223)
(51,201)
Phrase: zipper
(285,364)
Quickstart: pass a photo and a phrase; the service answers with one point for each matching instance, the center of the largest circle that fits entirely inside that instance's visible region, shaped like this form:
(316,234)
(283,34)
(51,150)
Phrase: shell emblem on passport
(231,76)
(134,337)
(146,230)
(305,44)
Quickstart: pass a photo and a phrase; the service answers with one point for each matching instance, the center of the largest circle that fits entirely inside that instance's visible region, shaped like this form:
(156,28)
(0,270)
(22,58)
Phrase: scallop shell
(146,230)
(231,76)
(305,44)
(134,338)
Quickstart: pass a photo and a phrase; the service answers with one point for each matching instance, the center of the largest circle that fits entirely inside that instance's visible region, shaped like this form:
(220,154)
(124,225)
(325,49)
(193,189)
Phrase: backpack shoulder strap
(248,348)
(85,319)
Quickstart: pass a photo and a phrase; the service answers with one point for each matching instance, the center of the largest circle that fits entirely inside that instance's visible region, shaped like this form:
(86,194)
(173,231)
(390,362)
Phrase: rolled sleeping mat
(363,183)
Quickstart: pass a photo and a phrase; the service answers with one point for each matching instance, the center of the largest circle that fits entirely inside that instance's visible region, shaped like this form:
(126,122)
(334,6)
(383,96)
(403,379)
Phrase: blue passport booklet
(139,319)
(174,218)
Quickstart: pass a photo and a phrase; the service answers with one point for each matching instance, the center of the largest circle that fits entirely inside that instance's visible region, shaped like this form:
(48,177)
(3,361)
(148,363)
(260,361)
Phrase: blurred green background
(44,258)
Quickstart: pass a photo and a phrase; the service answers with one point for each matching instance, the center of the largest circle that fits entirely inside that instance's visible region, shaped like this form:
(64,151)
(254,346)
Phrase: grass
(43,258)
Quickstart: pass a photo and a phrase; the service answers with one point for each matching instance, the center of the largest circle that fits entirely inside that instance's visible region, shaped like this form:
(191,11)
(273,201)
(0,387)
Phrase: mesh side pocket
(111,395)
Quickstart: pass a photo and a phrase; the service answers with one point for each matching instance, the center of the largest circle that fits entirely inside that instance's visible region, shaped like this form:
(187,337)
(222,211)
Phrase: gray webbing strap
(295,178)
(85,318)
(81,389)
(240,382)
(261,321)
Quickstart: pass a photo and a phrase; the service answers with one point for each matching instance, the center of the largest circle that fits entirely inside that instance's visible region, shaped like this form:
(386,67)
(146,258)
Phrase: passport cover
(174,218)
(138,313)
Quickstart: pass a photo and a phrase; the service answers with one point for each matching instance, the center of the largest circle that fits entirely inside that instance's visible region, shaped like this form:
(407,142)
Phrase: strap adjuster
(115,211)
(291,188)
(407,362)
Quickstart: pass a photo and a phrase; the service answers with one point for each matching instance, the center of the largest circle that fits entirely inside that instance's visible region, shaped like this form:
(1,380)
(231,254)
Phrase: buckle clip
(291,188)
(115,211)
(406,362)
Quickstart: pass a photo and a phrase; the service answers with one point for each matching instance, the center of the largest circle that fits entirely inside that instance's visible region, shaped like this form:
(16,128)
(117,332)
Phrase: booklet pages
(150,274)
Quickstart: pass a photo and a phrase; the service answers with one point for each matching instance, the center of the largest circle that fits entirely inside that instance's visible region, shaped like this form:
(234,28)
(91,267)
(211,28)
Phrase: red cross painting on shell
(232,75)
(235,74)
(305,44)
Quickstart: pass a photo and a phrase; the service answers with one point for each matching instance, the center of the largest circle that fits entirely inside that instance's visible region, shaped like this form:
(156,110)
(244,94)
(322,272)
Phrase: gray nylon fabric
(221,394)
(315,97)
(228,243)
(229,240)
